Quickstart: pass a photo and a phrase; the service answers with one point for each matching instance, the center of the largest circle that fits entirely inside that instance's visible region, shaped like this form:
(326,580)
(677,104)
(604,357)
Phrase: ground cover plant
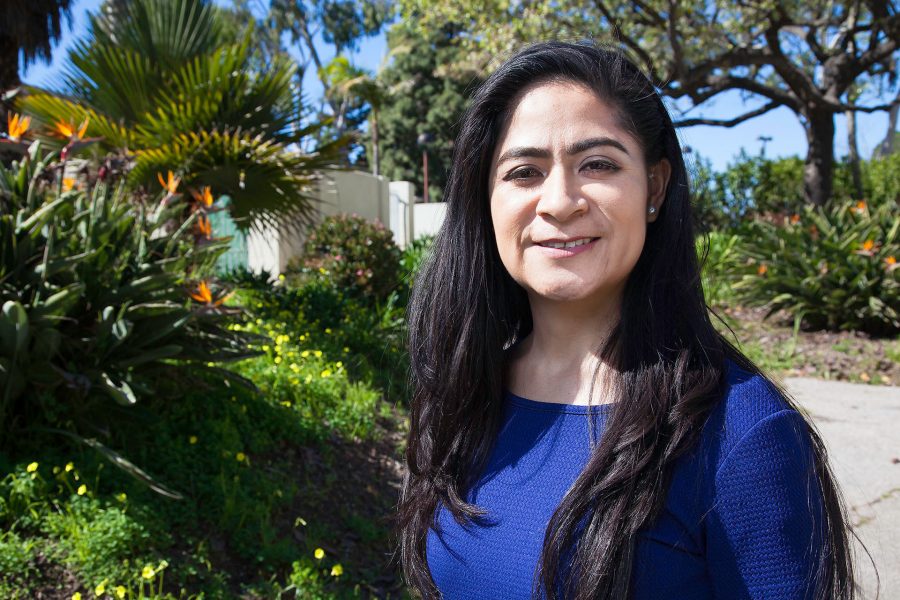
(173,471)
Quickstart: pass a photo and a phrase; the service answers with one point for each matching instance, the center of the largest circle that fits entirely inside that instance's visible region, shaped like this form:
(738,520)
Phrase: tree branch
(629,42)
(731,122)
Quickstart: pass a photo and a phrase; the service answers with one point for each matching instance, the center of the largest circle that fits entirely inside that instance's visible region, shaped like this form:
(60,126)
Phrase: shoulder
(752,417)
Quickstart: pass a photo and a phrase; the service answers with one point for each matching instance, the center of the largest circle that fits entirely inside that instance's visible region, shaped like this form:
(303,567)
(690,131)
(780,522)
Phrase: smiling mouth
(567,245)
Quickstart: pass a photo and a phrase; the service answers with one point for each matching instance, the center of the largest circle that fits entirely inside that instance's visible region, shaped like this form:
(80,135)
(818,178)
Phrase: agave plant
(159,79)
(96,299)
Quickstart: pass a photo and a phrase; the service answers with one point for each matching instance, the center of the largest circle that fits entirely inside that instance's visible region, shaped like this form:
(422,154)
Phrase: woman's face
(570,195)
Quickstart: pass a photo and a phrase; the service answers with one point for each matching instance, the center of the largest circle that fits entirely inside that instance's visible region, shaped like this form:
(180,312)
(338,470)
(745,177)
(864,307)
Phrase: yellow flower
(240,457)
(147,572)
(76,596)
(326,373)
(318,353)
(122,497)
(304,354)
(328,330)
(337,570)
(69,467)
(308,379)
(319,554)
(101,588)
(68,183)
(16,126)
(82,490)
(69,130)
(192,440)
(120,591)
(56,470)
(346,349)
(281,277)
(32,467)
(277,360)
(170,184)
(322,270)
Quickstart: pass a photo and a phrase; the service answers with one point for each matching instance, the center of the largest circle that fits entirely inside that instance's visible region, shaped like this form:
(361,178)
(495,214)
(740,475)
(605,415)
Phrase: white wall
(351,192)
(428,218)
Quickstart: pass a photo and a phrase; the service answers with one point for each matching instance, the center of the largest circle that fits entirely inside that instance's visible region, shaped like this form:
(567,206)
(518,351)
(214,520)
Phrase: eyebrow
(576,148)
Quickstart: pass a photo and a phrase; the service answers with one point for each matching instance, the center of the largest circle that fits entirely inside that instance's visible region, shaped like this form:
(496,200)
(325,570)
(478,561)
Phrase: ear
(658,182)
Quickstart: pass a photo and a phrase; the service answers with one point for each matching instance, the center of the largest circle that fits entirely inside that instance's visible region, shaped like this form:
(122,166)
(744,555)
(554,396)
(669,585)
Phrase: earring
(651,210)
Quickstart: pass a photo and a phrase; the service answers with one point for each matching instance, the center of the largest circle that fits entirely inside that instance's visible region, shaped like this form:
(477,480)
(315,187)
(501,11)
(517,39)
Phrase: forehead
(551,110)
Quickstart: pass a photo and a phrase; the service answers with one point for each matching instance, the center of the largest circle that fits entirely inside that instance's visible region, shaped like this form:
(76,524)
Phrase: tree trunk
(887,145)
(376,168)
(853,155)
(819,168)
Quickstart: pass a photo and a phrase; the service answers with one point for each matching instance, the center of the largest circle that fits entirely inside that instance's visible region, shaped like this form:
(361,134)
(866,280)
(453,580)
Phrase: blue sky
(719,145)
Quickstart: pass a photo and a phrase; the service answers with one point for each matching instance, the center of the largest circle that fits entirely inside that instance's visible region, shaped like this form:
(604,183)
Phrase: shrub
(358,256)
(94,299)
(832,268)
(722,264)
(414,257)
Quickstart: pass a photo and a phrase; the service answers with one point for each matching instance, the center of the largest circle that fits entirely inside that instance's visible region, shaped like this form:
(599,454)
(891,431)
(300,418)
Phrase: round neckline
(556,407)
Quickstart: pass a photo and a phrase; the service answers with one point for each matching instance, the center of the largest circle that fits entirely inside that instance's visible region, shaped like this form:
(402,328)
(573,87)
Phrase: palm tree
(159,79)
(29,27)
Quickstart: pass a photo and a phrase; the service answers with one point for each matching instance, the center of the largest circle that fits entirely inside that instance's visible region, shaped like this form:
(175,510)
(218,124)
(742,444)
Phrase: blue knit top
(743,517)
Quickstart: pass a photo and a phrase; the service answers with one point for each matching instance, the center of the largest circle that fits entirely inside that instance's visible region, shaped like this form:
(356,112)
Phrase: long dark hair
(669,361)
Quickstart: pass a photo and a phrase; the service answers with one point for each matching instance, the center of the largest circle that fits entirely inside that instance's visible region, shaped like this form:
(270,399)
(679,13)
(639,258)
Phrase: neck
(558,361)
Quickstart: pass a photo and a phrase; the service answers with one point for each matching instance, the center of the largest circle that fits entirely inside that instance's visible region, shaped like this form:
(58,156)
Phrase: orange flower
(204,196)
(69,130)
(16,126)
(68,183)
(204,227)
(890,263)
(795,219)
(170,184)
(762,270)
(868,245)
(205,296)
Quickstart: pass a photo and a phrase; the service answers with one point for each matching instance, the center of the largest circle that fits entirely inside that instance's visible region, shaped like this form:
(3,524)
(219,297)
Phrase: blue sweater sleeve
(765,528)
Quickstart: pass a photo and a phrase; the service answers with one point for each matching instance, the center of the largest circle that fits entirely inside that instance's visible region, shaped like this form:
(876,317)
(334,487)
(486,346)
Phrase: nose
(560,198)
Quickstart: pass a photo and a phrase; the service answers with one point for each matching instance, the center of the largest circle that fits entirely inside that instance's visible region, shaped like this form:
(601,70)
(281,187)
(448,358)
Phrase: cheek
(508,233)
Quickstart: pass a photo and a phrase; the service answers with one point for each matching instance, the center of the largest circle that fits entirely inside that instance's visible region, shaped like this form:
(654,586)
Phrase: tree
(158,79)
(424,96)
(802,55)
(348,84)
(340,23)
(29,27)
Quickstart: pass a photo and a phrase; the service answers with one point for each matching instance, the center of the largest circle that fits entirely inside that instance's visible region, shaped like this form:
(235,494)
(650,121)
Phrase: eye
(600,165)
(522,173)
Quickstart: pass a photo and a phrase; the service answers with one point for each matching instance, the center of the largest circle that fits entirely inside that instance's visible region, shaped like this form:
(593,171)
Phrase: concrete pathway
(861,428)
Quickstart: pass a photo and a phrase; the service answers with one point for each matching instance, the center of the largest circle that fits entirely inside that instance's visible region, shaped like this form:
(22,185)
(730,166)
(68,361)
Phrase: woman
(578,427)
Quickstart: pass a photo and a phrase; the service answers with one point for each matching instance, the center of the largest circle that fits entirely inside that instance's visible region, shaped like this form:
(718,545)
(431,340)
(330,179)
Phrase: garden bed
(840,356)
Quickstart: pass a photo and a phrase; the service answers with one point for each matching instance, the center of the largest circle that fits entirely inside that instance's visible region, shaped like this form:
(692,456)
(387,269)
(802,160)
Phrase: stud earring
(651,210)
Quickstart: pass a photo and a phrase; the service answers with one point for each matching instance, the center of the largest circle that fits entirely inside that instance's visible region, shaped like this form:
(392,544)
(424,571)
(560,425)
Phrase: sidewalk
(861,428)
